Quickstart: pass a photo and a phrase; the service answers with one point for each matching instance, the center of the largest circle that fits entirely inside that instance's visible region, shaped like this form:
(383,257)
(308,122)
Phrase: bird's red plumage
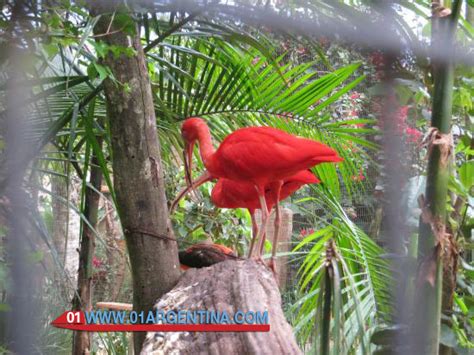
(262,154)
(262,157)
(234,194)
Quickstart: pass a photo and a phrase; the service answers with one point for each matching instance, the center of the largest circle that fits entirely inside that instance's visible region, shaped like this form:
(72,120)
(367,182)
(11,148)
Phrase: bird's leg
(262,243)
(264,237)
(278,186)
(187,169)
(205,177)
(263,224)
(254,233)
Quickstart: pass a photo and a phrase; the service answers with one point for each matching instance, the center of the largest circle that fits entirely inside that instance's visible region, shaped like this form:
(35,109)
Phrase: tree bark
(227,286)
(83,297)
(137,168)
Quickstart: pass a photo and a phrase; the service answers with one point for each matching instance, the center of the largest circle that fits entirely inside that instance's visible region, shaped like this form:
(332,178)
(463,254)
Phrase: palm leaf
(364,280)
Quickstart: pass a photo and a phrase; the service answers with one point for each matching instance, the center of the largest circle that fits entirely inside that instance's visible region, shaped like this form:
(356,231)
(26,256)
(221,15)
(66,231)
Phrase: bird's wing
(265,151)
(234,194)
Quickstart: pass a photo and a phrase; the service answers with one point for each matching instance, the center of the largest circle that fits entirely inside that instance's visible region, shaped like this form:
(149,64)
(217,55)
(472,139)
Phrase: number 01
(71,315)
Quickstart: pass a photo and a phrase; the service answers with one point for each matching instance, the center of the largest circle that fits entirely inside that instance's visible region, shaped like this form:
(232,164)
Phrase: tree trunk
(433,235)
(137,168)
(83,297)
(227,286)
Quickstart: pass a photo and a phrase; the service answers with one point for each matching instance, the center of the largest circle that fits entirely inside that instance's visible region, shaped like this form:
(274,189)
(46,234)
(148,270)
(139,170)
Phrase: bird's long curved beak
(188,162)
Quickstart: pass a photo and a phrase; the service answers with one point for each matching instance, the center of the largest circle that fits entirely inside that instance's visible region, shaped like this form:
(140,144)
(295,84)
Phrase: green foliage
(219,72)
(234,76)
(364,278)
(114,343)
(198,220)
(102,49)
(466,174)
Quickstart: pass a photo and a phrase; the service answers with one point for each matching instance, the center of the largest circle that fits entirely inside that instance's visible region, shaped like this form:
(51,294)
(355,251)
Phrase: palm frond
(365,277)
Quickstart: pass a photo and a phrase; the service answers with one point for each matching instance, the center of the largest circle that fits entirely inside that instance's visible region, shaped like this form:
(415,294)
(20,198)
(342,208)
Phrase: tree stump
(227,286)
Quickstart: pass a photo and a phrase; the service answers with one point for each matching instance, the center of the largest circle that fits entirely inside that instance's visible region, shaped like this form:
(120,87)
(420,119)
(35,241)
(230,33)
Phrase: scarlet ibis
(202,255)
(234,194)
(262,156)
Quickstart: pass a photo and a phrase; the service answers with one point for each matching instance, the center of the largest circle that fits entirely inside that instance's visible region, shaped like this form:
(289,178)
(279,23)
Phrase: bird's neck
(205,146)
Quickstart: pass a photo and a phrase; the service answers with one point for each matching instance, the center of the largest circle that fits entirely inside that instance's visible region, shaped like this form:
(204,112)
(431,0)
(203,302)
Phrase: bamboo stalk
(337,307)
(326,318)
(427,322)
(83,296)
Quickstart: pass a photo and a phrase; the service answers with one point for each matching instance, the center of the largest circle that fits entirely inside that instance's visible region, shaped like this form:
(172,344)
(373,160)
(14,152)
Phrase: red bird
(262,156)
(202,255)
(233,194)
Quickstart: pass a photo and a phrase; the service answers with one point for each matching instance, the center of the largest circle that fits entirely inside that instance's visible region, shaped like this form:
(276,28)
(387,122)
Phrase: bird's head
(191,128)
(190,132)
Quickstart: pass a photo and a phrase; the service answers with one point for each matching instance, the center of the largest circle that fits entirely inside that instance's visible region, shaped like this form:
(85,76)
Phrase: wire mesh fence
(379,199)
